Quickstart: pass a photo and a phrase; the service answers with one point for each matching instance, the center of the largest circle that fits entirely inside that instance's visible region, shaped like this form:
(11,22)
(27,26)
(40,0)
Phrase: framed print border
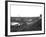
(6,17)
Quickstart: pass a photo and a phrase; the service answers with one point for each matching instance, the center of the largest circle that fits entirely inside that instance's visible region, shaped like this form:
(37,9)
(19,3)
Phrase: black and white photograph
(25,18)
(26,24)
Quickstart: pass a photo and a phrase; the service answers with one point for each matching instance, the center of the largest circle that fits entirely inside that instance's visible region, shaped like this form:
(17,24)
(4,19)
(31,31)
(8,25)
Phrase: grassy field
(26,24)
